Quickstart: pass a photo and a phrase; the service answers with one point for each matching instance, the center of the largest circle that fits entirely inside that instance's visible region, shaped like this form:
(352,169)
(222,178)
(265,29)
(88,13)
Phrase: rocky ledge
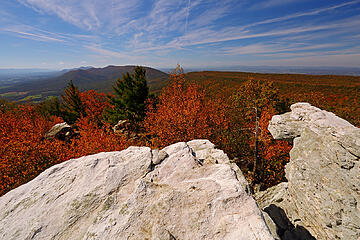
(185,191)
(321,198)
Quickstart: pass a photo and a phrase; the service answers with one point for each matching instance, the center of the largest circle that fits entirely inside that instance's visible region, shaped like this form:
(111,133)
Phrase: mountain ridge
(99,79)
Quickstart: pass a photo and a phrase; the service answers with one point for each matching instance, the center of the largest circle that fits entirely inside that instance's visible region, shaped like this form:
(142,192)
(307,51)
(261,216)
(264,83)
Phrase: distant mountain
(102,79)
(86,78)
(10,77)
(316,70)
(23,71)
(74,69)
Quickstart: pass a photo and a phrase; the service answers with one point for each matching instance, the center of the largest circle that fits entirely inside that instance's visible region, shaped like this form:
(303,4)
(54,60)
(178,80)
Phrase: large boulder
(184,191)
(322,195)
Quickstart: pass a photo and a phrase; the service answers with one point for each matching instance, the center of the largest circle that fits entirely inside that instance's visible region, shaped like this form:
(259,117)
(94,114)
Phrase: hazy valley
(37,86)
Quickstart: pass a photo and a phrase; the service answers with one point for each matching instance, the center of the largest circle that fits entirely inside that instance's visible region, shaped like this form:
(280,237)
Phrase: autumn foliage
(25,153)
(232,110)
(95,105)
(183,113)
(274,154)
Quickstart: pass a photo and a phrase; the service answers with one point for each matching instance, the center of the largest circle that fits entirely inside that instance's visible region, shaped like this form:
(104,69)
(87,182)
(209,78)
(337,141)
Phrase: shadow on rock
(284,228)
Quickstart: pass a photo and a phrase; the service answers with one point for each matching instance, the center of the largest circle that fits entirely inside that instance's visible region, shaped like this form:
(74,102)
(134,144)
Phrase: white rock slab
(137,193)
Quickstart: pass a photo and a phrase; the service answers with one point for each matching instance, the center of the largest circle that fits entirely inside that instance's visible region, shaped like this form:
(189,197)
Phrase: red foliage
(94,139)
(274,154)
(184,113)
(95,105)
(24,153)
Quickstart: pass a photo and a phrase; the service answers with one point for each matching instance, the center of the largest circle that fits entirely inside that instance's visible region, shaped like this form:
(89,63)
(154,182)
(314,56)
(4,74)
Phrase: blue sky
(60,34)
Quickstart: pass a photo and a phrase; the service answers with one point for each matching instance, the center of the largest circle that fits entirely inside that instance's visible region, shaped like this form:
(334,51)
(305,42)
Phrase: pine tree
(130,94)
(50,107)
(72,107)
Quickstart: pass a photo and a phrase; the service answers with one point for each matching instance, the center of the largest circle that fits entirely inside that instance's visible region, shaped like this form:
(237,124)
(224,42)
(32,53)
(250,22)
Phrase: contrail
(187,15)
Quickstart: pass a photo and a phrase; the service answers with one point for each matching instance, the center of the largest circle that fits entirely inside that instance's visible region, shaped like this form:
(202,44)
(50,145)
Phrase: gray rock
(124,195)
(122,127)
(322,194)
(304,116)
(61,131)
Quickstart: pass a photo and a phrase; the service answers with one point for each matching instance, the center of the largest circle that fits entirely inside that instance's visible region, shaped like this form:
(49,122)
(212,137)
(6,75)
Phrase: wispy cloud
(206,36)
(38,36)
(210,15)
(185,29)
(105,52)
(87,14)
(275,48)
(311,59)
(187,15)
(272,3)
(112,54)
(4,15)
(127,18)
(302,14)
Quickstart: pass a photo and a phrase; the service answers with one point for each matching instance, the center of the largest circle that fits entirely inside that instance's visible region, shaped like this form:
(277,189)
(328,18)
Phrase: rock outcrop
(122,127)
(185,191)
(322,196)
(61,131)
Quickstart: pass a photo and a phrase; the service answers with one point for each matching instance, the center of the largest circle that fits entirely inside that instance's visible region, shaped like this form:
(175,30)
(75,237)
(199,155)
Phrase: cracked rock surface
(322,195)
(184,191)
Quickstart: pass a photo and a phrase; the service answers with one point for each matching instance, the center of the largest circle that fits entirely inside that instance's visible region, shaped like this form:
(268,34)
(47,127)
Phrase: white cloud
(210,15)
(134,29)
(275,48)
(206,35)
(111,53)
(302,14)
(37,34)
(273,3)
(230,34)
(25,32)
(339,59)
(87,14)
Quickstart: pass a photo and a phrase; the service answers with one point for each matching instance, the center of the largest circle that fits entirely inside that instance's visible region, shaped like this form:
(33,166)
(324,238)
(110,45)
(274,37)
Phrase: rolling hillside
(338,94)
(100,79)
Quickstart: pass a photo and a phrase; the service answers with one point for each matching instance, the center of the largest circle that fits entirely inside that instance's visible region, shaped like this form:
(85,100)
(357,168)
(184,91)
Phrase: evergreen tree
(72,107)
(130,94)
(50,107)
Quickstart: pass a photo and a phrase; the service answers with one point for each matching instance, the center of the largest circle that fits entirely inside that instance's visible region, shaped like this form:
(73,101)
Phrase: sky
(58,34)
